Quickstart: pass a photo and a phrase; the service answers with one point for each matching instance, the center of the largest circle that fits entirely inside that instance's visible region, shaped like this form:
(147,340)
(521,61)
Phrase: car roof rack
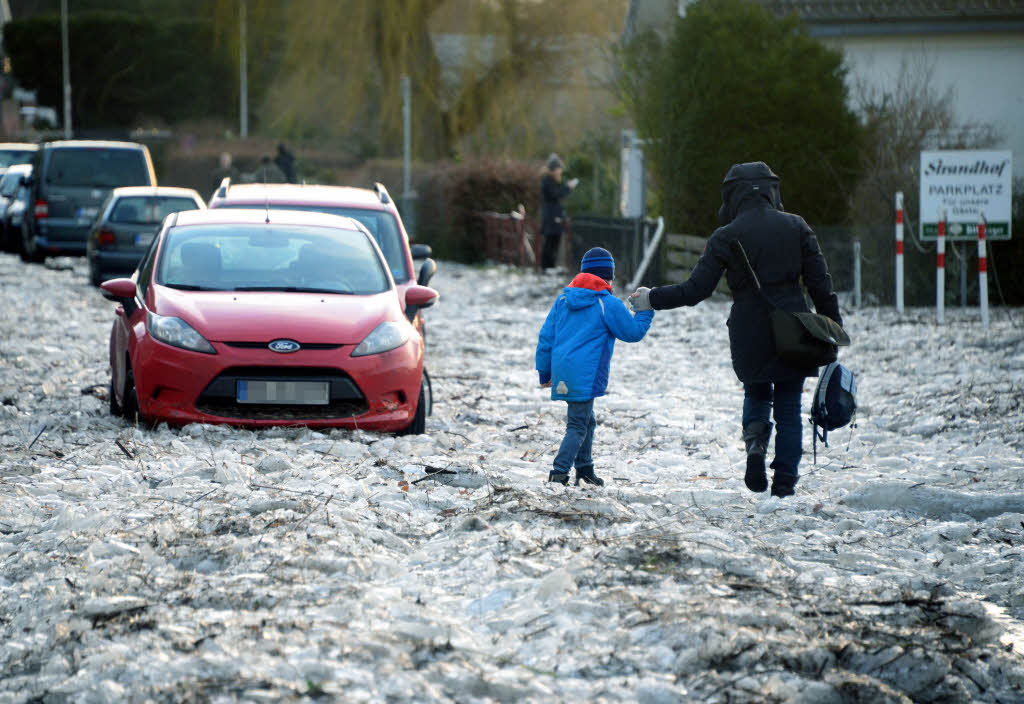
(382,193)
(225,184)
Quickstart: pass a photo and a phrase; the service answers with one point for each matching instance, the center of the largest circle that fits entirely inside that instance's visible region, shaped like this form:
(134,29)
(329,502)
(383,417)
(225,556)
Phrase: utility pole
(243,83)
(66,59)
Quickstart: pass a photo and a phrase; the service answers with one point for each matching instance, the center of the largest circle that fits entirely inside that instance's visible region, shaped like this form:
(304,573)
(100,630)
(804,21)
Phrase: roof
(249,216)
(873,17)
(19,168)
(296,194)
(19,146)
(92,144)
(156,191)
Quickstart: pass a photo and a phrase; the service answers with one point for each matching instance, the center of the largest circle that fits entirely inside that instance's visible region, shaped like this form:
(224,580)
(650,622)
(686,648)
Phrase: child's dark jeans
(579,437)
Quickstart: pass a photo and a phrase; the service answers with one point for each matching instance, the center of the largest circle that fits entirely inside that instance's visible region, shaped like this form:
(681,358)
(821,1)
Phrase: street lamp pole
(66,52)
(243,92)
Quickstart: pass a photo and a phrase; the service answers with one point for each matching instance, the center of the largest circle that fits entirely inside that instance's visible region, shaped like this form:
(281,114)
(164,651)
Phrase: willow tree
(498,74)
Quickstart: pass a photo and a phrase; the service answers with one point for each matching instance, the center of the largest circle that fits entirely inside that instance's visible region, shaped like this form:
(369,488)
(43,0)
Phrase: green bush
(734,84)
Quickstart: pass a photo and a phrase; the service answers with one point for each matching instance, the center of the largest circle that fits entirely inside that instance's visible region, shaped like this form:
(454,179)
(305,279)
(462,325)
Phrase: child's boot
(586,474)
(558,477)
(756,436)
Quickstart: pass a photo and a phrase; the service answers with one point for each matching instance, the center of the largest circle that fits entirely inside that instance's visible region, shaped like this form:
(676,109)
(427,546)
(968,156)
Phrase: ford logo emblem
(284,346)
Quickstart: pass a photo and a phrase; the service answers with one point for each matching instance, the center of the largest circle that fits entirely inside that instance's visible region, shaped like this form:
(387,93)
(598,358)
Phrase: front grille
(263,345)
(219,398)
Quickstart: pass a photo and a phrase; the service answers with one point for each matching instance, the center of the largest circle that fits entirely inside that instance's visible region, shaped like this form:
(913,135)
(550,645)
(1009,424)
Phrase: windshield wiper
(192,287)
(292,289)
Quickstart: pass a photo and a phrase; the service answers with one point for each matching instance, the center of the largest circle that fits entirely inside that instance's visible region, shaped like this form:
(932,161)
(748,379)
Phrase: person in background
(552,214)
(224,169)
(783,251)
(266,172)
(285,161)
(574,354)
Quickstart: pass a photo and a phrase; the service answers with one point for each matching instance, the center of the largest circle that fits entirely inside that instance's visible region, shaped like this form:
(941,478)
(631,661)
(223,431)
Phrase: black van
(70,181)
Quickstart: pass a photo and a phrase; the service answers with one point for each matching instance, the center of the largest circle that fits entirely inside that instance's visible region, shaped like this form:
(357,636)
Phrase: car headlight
(386,336)
(178,333)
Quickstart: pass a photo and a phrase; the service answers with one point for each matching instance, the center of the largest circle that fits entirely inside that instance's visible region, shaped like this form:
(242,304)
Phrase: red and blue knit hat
(599,262)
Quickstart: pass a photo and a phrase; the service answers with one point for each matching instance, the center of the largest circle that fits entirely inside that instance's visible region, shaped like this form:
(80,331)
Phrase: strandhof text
(979,167)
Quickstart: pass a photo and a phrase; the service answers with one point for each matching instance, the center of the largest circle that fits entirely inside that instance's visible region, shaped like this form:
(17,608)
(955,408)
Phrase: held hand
(573,182)
(640,300)
(546,385)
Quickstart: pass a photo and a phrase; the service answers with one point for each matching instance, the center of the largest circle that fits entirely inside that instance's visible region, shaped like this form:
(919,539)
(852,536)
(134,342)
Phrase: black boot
(783,483)
(756,436)
(558,477)
(586,474)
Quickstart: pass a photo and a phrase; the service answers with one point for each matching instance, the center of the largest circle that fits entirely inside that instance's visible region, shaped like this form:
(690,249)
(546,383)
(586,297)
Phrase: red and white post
(940,270)
(899,251)
(982,272)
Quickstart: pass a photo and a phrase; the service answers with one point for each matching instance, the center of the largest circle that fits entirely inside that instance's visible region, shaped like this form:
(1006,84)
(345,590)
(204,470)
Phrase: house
(974,47)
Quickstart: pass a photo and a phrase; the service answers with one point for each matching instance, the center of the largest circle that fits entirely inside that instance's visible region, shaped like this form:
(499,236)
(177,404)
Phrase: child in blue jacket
(574,353)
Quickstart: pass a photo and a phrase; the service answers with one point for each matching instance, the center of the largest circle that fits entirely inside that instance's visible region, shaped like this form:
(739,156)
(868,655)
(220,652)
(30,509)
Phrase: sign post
(899,251)
(940,269)
(982,273)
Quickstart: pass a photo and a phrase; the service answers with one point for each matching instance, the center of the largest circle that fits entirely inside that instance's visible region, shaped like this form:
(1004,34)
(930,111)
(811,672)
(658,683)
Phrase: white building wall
(986,72)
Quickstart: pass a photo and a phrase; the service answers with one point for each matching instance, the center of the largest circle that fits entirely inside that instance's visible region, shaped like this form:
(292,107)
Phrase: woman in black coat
(782,250)
(552,191)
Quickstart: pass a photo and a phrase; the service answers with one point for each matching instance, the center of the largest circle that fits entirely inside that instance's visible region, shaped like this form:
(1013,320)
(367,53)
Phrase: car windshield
(99,168)
(10,157)
(148,210)
(270,258)
(381,224)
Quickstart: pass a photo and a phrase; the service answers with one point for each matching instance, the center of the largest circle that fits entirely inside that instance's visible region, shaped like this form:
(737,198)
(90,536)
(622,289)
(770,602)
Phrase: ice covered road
(213,564)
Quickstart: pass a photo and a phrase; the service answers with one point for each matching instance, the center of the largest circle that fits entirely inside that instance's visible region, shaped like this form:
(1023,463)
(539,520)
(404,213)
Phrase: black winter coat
(782,249)
(551,212)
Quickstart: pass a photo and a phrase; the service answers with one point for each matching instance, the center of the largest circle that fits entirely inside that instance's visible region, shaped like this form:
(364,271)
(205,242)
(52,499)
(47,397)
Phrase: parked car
(12,185)
(267,317)
(70,180)
(127,223)
(374,209)
(12,153)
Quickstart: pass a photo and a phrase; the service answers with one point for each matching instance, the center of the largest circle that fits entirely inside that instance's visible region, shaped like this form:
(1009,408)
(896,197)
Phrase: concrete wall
(986,72)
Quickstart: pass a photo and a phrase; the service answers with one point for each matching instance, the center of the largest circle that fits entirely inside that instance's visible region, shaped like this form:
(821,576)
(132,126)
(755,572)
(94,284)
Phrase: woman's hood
(745,183)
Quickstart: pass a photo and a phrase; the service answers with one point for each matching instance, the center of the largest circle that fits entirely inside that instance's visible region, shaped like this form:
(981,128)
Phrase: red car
(267,317)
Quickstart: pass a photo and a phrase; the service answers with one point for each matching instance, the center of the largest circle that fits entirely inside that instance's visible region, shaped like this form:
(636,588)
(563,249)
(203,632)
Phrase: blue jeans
(758,402)
(578,442)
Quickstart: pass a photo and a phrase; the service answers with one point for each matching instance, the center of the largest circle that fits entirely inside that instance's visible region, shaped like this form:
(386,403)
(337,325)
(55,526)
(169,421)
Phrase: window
(381,224)
(148,210)
(270,258)
(98,168)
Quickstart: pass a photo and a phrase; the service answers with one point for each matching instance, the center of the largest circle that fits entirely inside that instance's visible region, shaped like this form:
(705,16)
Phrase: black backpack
(834,404)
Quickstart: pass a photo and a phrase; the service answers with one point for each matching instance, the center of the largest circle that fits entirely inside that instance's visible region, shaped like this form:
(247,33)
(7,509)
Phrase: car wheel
(95,276)
(131,400)
(115,407)
(423,408)
(29,252)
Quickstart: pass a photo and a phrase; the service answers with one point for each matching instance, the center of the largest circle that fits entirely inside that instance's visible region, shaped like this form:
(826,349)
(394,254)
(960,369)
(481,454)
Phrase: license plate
(143,240)
(309,393)
(87,213)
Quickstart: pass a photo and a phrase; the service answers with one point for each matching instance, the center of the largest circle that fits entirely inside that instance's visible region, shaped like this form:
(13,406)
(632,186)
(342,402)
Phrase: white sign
(964,185)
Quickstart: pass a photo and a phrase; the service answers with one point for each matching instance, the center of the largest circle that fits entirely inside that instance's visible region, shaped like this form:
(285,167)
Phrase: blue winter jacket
(575,348)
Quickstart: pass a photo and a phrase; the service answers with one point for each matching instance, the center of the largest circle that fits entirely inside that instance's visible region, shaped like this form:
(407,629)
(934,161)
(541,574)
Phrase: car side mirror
(420,297)
(427,272)
(120,291)
(421,251)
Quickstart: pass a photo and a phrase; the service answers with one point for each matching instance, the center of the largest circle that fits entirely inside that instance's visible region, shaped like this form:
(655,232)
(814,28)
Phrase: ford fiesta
(262,318)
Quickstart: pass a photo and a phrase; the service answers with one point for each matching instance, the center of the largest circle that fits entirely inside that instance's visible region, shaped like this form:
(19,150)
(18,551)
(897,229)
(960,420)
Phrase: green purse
(801,339)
